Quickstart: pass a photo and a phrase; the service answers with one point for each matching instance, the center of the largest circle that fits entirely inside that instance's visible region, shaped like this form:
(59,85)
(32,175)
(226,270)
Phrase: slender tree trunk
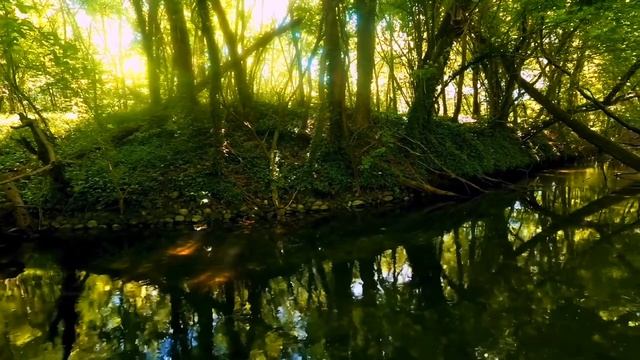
(240,76)
(460,82)
(445,108)
(322,78)
(475,79)
(366,35)
(158,45)
(336,74)
(574,78)
(392,97)
(215,79)
(321,120)
(146,34)
(376,83)
(300,100)
(181,51)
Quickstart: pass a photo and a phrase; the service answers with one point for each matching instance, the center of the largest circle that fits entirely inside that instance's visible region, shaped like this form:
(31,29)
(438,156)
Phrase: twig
(447,171)
(423,186)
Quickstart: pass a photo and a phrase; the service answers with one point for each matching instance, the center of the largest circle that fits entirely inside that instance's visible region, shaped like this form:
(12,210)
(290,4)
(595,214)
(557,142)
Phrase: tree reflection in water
(66,314)
(550,272)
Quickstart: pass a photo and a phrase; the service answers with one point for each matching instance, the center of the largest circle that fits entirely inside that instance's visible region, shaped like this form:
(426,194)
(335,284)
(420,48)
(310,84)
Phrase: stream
(546,269)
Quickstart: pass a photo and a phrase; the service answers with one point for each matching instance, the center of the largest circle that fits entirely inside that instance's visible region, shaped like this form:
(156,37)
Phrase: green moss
(466,150)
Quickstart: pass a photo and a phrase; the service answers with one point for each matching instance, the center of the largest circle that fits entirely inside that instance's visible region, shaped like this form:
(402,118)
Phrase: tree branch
(618,152)
(475,61)
(621,83)
(262,41)
(588,95)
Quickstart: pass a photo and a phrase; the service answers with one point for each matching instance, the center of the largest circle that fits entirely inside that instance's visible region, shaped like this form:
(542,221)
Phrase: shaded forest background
(127,105)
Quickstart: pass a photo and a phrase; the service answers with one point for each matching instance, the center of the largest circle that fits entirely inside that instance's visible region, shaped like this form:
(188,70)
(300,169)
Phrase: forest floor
(142,169)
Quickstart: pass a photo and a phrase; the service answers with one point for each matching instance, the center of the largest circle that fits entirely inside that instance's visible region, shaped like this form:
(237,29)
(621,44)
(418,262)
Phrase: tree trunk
(46,154)
(300,100)
(336,73)
(215,75)
(320,123)
(23,219)
(475,79)
(433,64)
(445,108)
(181,52)
(460,84)
(244,92)
(146,33)
(366,35)
(494,92)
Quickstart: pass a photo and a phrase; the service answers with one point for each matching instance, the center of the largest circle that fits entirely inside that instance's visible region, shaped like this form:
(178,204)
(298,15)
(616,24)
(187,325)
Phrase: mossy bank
(154,169)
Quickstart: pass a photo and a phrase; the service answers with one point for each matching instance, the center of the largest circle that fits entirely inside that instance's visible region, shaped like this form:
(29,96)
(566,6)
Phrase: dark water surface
(549,271)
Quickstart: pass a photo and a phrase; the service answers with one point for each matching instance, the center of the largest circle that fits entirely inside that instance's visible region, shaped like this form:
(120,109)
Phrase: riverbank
(154,170)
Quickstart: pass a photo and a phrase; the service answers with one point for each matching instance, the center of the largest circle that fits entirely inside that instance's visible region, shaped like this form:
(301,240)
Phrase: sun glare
(266,12)
(135,65)
(113,39)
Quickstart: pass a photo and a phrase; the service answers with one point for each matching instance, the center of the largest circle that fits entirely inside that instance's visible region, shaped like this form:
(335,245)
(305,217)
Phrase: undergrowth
(148,159)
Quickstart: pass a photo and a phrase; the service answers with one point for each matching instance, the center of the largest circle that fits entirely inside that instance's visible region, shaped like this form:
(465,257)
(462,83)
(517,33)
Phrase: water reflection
(549,272)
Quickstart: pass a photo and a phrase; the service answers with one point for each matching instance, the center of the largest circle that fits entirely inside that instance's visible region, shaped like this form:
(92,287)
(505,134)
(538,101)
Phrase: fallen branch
(491,179)
(423,186)
(29,174)
(46,154)
(446,170)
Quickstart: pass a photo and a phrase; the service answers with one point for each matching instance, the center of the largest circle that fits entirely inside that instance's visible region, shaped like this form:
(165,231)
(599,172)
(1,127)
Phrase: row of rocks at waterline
(199,217)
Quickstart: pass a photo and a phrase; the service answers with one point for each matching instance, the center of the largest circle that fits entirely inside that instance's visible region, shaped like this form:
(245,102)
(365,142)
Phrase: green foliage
(50,69)
(376,165)
(269,117)
(92,186)
(471,150)
(13,156)
(328,175)
(375,172)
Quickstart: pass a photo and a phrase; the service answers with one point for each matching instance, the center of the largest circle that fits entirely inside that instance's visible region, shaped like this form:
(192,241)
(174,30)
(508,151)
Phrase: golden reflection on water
(184,248)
